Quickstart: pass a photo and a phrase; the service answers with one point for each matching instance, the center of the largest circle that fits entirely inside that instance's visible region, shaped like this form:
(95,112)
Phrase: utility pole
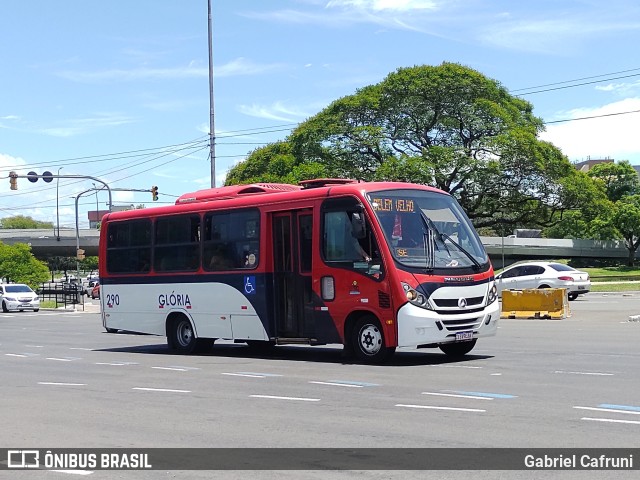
(57,205)
(212,134)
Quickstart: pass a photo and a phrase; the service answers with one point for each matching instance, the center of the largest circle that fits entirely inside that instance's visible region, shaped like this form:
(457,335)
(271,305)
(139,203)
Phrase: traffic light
(80,254)
(13,180)
(154,193)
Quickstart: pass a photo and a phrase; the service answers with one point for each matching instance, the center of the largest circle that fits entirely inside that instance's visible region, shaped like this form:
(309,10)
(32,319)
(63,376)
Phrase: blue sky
(119,89)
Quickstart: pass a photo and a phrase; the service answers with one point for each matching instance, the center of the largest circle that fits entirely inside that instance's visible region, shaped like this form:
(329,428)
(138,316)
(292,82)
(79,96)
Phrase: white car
(17,296)
(544,275)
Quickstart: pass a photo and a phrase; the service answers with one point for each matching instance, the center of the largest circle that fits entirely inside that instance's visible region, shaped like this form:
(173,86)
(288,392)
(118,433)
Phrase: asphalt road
(538,383)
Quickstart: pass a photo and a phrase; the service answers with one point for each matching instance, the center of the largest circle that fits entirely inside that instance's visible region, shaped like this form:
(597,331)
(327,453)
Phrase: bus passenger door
(292,235)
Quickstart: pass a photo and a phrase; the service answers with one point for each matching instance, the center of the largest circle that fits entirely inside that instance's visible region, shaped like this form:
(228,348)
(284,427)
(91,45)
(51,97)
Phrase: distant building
(589,163)
(96,216)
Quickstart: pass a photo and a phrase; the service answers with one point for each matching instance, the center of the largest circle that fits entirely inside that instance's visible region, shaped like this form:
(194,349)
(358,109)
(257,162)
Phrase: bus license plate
(464,336)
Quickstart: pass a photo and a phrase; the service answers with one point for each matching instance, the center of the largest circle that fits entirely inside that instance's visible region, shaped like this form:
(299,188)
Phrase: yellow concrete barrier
(535,303)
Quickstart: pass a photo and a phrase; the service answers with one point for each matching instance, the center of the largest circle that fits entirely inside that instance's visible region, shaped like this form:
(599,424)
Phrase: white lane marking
(585,373)
(474,397)
(263,374)
(441,408)
(335,384)
(177,367)
(34,346)
(161,390)
(63,359)
(63,384)
(610,420)
(456,366)
(81,348)
(613,410)
(274,397)
(116,364)
(602,354)
(244,375)
(74,472)
(496,374)
(15,355)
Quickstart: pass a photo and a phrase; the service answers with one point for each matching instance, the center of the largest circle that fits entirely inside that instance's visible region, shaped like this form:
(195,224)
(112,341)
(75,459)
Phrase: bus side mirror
(358,226)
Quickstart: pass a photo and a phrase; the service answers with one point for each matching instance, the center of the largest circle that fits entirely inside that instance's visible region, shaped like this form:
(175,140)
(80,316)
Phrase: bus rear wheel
(181,336)
(458,349)
(368,342)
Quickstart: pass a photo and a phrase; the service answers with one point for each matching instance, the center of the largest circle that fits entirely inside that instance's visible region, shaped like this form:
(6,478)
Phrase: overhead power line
(572,83)
(593,116)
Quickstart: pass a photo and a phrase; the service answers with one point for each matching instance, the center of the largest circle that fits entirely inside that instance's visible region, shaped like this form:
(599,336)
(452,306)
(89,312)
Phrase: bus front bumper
(420,327)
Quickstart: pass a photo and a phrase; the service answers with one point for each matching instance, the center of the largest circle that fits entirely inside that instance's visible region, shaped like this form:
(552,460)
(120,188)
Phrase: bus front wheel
(181,336)
(458,349)
(368,341)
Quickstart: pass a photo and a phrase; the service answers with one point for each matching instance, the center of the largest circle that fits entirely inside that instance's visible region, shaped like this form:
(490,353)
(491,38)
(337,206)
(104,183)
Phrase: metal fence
(64,294)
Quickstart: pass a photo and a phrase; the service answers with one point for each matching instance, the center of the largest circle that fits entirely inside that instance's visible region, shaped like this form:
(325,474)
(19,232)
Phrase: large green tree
(626,219)
(18,264)
(448,126)
(616,179)
(23,222)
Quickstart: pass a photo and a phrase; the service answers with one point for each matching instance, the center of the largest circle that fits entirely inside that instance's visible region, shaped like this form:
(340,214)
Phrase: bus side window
(349,241)
(231,240)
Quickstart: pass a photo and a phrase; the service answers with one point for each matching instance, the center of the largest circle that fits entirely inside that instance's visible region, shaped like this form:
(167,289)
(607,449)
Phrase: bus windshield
(427,230)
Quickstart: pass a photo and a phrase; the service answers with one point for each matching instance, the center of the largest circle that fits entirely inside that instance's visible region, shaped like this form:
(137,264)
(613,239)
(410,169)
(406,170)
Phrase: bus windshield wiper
(431,227)
(462,249)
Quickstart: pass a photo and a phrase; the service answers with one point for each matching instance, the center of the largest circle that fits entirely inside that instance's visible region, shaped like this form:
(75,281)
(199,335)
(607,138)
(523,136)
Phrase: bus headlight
(415,297)
(492,296)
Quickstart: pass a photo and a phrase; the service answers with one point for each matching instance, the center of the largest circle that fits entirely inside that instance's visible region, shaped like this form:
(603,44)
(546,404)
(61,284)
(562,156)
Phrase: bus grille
(453,302)
(461,325)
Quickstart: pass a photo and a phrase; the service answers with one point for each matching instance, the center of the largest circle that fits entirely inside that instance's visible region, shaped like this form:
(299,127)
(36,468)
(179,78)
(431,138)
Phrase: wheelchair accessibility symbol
(250,285)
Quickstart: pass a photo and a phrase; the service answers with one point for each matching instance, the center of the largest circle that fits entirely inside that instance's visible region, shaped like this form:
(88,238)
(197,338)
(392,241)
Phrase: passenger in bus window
(220,259)
(359,252)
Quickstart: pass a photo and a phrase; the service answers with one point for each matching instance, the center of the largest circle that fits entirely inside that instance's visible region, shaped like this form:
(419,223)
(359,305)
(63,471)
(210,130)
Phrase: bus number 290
(112,299)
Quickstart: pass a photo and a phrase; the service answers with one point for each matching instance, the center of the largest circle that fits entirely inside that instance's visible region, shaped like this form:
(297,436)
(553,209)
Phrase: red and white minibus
(372,266)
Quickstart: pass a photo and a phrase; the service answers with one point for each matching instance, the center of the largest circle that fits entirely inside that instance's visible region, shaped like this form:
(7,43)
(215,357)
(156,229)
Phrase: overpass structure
(45,243)
(502,250)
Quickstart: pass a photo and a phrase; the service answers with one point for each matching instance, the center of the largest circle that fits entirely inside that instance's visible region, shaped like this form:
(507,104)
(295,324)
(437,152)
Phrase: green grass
(616,287)
(48,304)
(619,271)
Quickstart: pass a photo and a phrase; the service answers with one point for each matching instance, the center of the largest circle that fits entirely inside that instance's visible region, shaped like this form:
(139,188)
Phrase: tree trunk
(632,257)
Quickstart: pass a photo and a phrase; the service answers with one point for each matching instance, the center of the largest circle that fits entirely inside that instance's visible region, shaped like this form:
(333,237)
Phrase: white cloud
(7,161)
(277,111)
(625,88)
(551,36)
(384,5)
(394,14)
(239,66)
(80,126)
(607,135)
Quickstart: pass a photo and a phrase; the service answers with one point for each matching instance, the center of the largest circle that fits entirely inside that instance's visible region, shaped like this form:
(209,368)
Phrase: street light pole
(57,205)
(97,214)
(212,129)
